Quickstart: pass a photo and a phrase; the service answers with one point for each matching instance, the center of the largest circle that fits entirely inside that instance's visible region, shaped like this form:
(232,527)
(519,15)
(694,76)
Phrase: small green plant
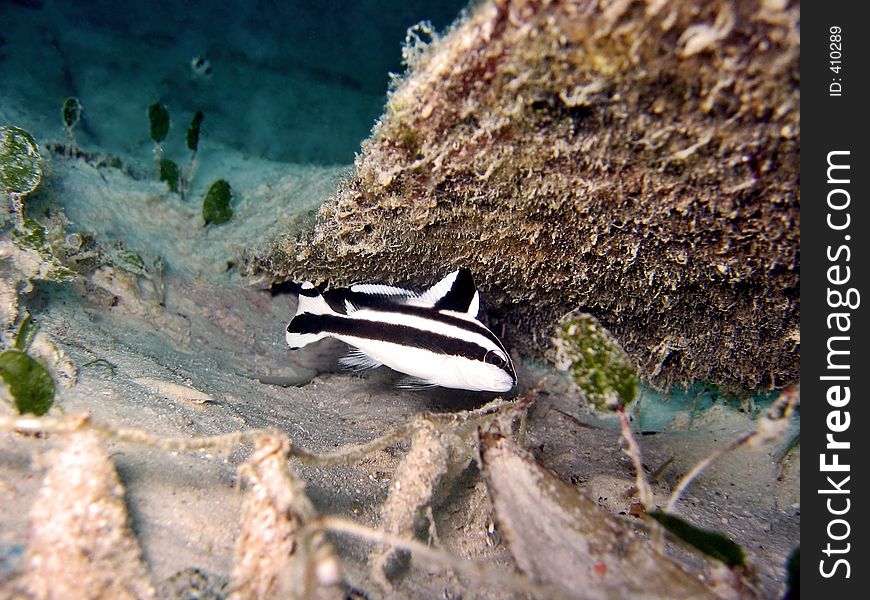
(712,543)
(170,173)
(28,381)
(167,169)
(192,145)
(25,333)
(158,116)
(20,166)
(193,132)
(71,112)
(216,205)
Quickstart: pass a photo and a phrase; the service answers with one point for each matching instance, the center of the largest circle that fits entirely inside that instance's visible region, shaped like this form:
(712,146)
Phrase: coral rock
(82,545)
(637,161)
(272,559)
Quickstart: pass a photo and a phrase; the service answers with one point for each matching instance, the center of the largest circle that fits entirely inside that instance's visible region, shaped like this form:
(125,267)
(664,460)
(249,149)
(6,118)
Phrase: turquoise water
(299,82)
(654,411)
(288,91)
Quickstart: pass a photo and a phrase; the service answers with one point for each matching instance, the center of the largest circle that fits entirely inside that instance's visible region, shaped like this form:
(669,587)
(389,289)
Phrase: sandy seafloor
(285,112)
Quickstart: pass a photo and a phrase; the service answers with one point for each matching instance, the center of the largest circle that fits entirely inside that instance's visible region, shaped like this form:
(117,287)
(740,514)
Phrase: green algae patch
(170,173)
(29,382)
(595,361)
(131,262)
(30,235)
(20,161)
(216,206)
(158,116)
(712,543)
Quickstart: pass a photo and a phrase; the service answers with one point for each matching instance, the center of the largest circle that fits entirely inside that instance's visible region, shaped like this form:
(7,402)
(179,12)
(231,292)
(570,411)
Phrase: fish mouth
(505,385)
(504,388)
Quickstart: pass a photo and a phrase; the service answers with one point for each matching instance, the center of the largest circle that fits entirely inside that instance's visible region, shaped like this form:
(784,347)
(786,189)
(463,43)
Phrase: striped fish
(434,337)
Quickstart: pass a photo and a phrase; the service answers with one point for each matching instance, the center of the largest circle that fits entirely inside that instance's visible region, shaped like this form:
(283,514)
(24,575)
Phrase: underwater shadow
(440,400)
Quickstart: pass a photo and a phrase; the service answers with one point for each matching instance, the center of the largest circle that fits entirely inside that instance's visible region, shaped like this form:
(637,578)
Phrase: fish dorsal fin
(474,305)
(456,292)
(376,289)
(435,293)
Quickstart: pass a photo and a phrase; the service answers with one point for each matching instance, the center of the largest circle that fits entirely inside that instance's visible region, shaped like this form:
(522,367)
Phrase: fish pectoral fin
(357,360)
(414,383)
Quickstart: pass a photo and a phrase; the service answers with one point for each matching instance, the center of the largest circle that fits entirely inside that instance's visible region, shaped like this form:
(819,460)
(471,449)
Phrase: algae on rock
(20,161)
(635,161)
(595,361)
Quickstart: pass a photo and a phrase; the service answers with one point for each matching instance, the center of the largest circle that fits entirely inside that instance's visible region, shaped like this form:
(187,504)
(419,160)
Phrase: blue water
(654,411)
(292,81)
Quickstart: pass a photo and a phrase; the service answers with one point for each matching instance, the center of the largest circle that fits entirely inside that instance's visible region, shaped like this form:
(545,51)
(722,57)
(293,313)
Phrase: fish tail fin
(305,328)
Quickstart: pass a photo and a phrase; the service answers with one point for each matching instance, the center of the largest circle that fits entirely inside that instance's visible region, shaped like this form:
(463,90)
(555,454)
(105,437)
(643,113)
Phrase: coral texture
(82,545)
(635,160)
(272,559)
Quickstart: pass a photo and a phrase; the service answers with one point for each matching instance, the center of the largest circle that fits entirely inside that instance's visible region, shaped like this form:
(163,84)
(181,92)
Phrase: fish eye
(494,358)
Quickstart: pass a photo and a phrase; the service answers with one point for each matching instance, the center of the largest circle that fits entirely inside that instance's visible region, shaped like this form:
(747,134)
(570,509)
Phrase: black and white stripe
(428,334)
(435,337)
